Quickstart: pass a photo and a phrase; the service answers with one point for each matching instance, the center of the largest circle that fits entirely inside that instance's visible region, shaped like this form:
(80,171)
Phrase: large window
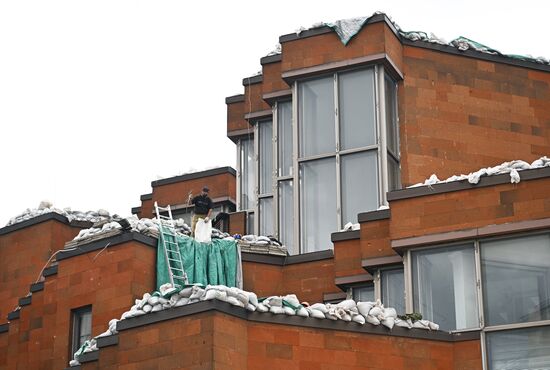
(499,286)
(81,327)
(247,180)
(330,152)
(444,287)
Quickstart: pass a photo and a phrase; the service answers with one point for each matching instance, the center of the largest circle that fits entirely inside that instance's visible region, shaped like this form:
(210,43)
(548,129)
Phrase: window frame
(250,210)
(257,156)
(75,330)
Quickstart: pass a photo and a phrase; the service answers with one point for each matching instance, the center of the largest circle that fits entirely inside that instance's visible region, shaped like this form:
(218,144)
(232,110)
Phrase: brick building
(330,134)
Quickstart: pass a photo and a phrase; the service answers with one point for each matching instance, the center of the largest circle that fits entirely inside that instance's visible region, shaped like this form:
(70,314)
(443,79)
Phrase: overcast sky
(99,98)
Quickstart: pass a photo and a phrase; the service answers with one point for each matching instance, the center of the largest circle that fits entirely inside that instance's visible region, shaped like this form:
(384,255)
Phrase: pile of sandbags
(512,167)
(261,244)
(168,296)
(47,207)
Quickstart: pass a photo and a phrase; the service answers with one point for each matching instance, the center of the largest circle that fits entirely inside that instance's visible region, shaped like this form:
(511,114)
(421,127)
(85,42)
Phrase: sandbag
(372,320)
(316,313)
(203,231)
(360,319)
(388,322)
(364,307)
(319,306)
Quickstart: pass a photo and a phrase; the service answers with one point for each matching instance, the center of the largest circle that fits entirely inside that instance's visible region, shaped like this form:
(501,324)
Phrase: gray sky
(99,98)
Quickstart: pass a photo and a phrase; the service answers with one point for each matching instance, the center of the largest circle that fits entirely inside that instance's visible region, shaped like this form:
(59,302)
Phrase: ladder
(167,230)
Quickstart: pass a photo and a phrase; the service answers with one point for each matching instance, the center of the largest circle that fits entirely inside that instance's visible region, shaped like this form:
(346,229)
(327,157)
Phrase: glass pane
(266,216)
(394,176)
(317,204)
(286,215)
(284,126)
(392,131)
(248,174)
(316,110)
(393,289)
(444,289)
(250,223)
(357,111)
(359,185)
(265,129)
(85,327)
(516,279)
(364,293)
(520,349)
(186,216)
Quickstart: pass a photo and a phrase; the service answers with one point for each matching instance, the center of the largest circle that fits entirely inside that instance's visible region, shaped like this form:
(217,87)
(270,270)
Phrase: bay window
(323,158)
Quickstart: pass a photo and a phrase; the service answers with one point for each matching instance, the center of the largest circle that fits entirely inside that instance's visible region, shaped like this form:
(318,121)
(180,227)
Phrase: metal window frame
(379,273)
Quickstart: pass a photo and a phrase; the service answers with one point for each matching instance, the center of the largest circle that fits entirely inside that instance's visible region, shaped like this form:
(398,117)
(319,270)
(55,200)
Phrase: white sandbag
(186,292)
(73,363)
(243,298)
(210,294)
(252,298)
(331,316)
(320,307)
(167,289)
(277,310)
(377,312)
(390,312)
(157,308)
(364,307)
(104,334)
(163,301)
(147,308)
(181,302)
(112,326)
(174,299)
(346,317)
(166,305)
(197,293)
(153,300)
(126,315)
(348,304)
(234,301)
(315,313)
(289,311)
(302,311)
(292,299)
(360,319)
(262,308)
(275,301)
(388,322)
(403,323)
(372,320)
(203,231)
(250,307)
(139,313)
(421,324)
(144,300)
(433,326)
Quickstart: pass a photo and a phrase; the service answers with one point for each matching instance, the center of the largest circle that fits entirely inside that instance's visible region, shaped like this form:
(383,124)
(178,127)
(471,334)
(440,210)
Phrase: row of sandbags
(373,313)
(47,207)
(512,167)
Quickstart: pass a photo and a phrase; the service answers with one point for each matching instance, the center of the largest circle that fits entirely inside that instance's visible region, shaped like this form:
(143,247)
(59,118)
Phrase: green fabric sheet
(212,263)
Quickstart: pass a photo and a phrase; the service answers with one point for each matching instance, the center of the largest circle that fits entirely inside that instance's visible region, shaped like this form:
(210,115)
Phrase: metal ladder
(178,277)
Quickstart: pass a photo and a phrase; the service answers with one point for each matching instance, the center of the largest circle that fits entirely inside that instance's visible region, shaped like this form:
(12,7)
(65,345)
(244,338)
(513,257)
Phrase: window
(363,293)
(81,327)
(501,286)
(247,180)
(516,279)
(519,349)
(266,224)
(444,286)
(392,286)
(328,154)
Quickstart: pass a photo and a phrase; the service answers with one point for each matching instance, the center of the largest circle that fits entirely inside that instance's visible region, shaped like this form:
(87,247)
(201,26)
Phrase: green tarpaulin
(212,263)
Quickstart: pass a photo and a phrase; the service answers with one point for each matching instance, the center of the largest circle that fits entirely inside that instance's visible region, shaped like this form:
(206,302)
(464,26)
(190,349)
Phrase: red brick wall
(23,253)
(327,48)
(110,281)
(253,98)
(459,114)
(217,341)
(222,185)
(528,200)
(375,238)
(235,117)
(347,258)
(272,80)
